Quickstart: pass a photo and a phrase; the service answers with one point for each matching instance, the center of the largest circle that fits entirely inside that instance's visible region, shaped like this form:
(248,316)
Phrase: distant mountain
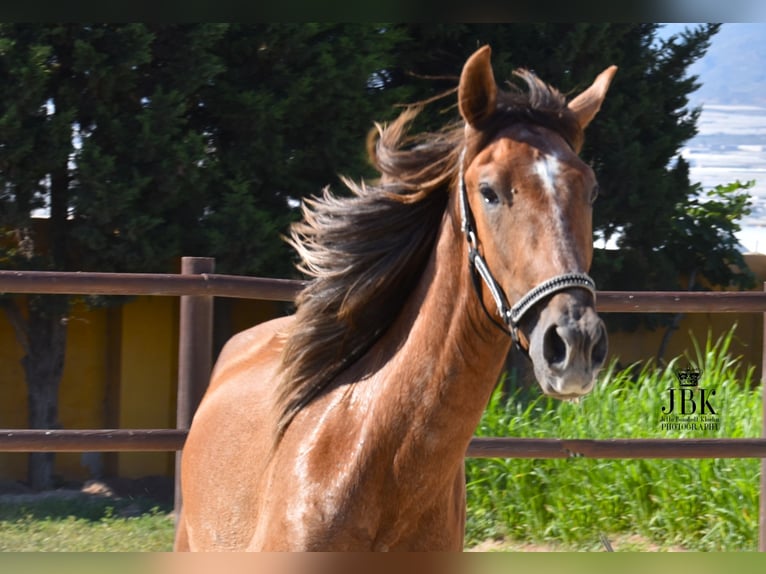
(733,72)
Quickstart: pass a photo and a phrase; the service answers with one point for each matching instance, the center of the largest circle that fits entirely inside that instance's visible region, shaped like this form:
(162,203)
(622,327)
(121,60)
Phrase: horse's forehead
(531,152)
(520,144)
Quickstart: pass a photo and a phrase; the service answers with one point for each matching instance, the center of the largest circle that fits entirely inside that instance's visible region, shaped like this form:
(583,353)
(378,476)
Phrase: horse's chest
(358,505)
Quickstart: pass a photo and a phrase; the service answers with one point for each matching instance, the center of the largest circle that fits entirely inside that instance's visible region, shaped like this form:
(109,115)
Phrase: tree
(139,179)
(94,127)
(702,235)
(289,114)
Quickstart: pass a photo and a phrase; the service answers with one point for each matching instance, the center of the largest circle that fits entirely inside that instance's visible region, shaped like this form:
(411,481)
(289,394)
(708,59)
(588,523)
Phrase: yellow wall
(13,406)
(747,342)
(121,369)
(148,372)
(642,345)
(82,392)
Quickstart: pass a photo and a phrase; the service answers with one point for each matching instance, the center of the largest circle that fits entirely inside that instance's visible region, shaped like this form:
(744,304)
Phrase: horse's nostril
(554,347)
(598,353)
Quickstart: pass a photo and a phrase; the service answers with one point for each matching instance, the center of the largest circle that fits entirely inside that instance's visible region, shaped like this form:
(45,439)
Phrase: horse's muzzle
(568,345)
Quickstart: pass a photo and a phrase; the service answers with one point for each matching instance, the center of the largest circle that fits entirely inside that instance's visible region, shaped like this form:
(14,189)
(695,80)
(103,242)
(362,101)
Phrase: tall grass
(709,504)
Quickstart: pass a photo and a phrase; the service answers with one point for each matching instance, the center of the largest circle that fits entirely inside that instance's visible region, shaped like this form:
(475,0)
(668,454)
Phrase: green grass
(83,524)
(709,504)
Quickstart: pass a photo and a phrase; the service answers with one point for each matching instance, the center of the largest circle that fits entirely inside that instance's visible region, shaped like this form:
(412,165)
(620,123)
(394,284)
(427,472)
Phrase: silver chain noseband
(511,315)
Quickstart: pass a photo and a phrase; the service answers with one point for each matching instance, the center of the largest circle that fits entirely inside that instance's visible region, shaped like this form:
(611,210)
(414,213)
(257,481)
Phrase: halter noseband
(511,315)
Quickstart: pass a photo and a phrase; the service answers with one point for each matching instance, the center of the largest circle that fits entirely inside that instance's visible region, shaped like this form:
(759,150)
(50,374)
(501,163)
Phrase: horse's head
(526,202)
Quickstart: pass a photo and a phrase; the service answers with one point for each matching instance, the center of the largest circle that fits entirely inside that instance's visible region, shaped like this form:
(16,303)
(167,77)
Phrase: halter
(511,315)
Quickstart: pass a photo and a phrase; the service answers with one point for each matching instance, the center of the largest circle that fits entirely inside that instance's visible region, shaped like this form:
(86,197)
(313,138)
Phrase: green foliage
(95,127)
(702,235)
(138,178)
(148,142)
(161,140)
(699,244)
(290,112)
(644,122)
(707,504)
(107,143)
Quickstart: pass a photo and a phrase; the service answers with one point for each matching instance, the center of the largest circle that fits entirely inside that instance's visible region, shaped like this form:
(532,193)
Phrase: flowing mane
(366,252)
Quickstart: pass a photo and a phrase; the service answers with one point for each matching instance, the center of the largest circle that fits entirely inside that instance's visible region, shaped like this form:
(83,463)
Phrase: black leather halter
(511,315)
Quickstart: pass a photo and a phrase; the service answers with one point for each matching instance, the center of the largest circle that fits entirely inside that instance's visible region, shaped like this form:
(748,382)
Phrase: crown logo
(688,377)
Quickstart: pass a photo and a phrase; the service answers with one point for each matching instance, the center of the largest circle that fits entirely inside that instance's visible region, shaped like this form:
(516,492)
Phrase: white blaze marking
(547,168)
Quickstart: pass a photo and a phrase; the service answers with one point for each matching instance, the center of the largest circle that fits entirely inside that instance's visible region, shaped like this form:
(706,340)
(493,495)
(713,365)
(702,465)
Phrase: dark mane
(365,253)
(539,104)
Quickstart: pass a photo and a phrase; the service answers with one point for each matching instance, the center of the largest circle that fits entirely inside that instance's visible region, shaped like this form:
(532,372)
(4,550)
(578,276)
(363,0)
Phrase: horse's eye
(594,193)
(488,194)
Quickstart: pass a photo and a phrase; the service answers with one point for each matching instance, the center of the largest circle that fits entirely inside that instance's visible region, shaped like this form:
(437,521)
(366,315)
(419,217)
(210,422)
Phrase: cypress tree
(290,113)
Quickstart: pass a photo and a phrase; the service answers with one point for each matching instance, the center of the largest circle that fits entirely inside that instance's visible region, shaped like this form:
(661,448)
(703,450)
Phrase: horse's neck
(450,355)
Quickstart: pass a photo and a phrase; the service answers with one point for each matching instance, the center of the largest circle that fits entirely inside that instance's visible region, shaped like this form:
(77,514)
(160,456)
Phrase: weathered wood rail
(164,440)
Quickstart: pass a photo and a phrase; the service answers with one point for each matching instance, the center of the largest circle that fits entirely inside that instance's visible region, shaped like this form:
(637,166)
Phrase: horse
(344,426)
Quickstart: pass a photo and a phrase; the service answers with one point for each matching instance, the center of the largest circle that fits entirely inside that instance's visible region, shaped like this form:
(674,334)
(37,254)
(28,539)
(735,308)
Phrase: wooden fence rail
(91,283)
(164,440)
(197,290)
(87,283)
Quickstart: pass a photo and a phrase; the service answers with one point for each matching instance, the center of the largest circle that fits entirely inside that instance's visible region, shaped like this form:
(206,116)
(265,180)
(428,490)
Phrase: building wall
(82,391)
(120,371)
(148,371)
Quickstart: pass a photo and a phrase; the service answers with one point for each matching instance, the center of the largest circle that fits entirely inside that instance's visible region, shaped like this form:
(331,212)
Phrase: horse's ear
(477,92)
(587,104)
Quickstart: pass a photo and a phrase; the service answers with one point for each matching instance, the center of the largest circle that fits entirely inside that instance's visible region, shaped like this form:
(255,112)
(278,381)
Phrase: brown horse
(344,427)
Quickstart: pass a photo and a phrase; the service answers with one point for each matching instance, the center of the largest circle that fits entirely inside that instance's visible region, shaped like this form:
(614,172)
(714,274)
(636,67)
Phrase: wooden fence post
(762,510)
(195,354)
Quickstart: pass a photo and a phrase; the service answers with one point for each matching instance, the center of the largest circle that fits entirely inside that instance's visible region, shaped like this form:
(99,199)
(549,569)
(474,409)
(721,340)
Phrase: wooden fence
(197,285)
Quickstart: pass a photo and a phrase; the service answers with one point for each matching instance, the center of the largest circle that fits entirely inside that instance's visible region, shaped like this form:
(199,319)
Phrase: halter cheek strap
(511,315)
